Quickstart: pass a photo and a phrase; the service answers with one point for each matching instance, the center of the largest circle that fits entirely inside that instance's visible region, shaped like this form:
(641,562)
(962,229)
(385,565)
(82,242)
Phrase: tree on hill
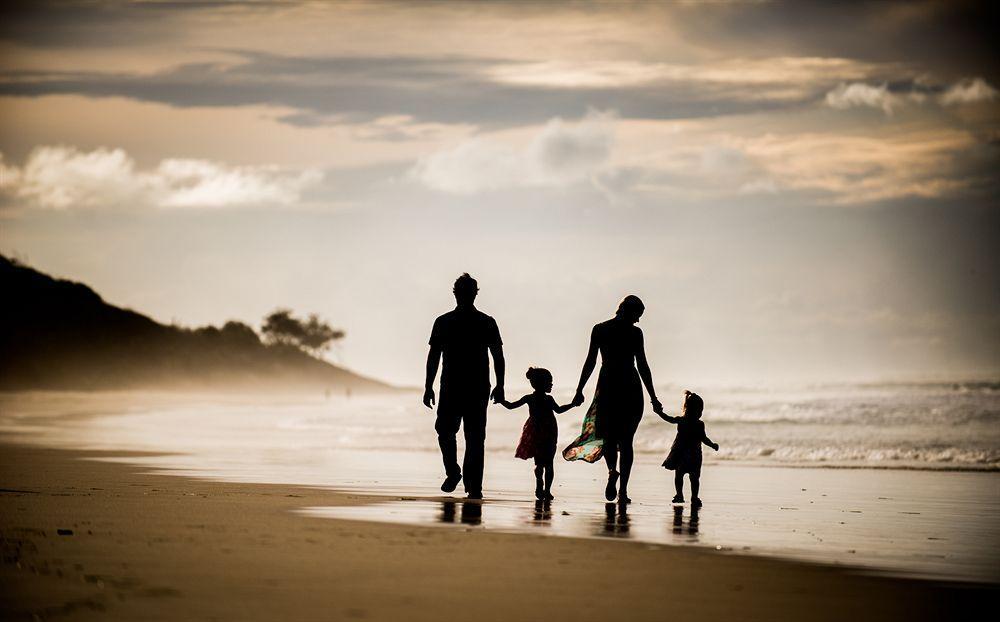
(238,332)
(312,334)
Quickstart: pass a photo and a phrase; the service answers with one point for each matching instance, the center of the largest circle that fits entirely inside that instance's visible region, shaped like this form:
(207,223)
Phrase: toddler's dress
(685,453)
(540,431)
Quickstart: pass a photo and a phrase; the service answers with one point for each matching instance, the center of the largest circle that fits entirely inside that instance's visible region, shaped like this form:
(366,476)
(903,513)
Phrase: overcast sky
(798,191)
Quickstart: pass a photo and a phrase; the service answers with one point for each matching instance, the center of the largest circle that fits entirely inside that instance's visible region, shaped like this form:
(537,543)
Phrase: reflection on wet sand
(679,524)
(832,523)
(543,512)
(691,528)
(471,512)
(864,534)
(616,521)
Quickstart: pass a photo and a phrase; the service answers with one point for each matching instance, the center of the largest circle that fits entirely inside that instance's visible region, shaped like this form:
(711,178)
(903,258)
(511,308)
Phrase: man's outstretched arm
(433,358)
(498,369)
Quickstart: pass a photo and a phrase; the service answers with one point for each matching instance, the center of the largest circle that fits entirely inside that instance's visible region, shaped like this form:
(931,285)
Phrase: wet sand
(85,539)
(915,523)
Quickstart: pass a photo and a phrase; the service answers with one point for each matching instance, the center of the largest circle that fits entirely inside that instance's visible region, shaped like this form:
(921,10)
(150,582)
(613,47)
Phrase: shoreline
(46,408)
(157,546)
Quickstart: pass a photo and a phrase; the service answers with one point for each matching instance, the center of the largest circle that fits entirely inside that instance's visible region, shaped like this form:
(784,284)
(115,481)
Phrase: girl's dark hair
(693,403)
(538,376)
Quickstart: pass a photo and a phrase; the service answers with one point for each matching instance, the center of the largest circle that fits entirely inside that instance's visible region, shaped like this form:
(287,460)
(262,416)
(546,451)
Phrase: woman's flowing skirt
(613,416)
(619,404)
(588,446)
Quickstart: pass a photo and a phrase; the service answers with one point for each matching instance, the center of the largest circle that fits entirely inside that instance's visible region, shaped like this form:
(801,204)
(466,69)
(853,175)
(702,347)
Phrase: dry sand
(151,546)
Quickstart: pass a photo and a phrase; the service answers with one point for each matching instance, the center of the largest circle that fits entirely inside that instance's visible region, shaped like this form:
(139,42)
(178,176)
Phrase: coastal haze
(227,228)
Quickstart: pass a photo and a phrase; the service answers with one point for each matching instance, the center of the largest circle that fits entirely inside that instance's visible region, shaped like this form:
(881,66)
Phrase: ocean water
(952,426)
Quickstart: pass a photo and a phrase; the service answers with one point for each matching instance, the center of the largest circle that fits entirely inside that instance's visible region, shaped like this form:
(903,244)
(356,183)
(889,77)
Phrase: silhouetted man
(463,337)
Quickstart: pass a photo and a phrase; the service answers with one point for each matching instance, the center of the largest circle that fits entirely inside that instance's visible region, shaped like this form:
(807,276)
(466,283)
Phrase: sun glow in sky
(797,190)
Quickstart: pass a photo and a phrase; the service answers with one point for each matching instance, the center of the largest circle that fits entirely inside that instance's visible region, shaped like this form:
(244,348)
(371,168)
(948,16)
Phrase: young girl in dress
(685,453)
(540,432)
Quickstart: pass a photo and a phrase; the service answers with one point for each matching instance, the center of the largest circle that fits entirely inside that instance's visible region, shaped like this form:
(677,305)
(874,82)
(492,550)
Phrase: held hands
(577,399)
(429,397)
(657,406)
(497,394)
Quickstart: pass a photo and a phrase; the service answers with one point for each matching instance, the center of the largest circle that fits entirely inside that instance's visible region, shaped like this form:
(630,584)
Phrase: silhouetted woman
(618,398)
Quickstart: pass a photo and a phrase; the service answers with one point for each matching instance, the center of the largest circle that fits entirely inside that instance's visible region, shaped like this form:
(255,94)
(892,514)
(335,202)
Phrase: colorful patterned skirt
(587,447)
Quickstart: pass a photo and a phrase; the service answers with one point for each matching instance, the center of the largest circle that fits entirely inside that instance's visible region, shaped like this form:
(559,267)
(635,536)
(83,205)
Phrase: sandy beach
(145,506)
(86,539)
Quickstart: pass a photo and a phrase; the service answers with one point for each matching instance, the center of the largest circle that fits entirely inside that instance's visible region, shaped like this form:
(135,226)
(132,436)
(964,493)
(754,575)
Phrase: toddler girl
(685,453)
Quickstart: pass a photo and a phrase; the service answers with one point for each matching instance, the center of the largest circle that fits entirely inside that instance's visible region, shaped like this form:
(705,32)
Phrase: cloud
(867,169)
(335,90)
(968,91)
(199,183)
(776,76)
(561,154)
(488,65)
(722,160)
(938,37)
(859,94)
(759,186)
(62,177)
(402,128)
(722,163)
(56,24)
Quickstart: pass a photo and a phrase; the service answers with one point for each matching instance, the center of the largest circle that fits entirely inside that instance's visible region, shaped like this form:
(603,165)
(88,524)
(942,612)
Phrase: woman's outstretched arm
(646,375)
(588,368)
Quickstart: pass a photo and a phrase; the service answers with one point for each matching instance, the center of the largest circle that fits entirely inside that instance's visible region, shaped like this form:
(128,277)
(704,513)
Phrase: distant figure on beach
(462,337)
(685,453)
(617,404)
(540,431)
